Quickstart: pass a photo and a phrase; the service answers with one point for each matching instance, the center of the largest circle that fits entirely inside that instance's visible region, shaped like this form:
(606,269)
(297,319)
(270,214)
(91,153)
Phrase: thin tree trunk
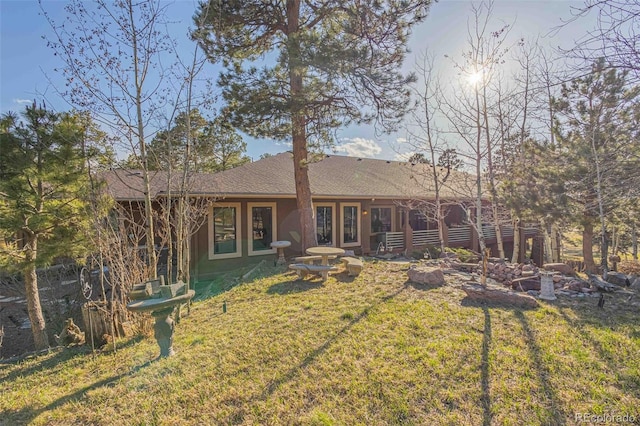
(547,235)
(492,180)
(148,208)
(478,218)
(634,241)
(555,244)
(38,327)
(587,247)
(515,256)
(298,129)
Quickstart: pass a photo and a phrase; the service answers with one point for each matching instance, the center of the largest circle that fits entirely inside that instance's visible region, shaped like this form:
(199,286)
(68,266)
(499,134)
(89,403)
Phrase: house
(360,204)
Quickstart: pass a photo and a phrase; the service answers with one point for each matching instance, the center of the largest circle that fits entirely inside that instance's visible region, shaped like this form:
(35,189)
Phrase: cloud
(23,101)
(401,140)
(359,147)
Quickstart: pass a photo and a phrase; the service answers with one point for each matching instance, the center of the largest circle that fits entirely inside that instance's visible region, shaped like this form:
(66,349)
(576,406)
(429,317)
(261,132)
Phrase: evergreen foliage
(44,192)
(216,146)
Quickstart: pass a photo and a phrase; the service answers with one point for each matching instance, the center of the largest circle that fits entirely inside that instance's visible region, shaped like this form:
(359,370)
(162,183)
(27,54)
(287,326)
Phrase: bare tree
(425,141)
(112,55)
(615,36)
(467,110)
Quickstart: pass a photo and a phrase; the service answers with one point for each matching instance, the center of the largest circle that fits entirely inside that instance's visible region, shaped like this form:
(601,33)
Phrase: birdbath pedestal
(547,291)
(161,305)
(281,245)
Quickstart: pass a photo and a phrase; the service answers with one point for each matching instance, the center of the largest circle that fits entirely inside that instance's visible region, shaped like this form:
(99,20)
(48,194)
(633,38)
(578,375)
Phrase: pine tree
(43,203)
(298,70)
(597,149)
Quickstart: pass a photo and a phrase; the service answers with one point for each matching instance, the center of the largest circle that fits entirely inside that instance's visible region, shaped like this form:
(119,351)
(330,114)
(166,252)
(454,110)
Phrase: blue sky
(27,65)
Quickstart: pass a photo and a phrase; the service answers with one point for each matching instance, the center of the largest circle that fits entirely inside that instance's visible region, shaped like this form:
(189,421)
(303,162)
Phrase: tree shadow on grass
(293,371)
(620,308)
(422,286)
(555,413)
(28,414)
(62,355)
(487,416)
(606,355)
(469,302)
(296,286)
(557,416)
(344,277)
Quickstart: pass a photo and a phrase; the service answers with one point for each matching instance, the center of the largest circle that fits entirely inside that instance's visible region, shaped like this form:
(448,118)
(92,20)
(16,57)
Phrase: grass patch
(369,350)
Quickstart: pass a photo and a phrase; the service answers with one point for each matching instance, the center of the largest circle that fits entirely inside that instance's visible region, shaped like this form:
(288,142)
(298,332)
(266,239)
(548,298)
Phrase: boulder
(602,285)
(426,275)
(498,295)
(635,284)
(576,285)
(617,278)
(563,268)
(526,283)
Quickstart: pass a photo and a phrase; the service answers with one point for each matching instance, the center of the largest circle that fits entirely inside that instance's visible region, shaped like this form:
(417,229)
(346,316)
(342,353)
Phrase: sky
(27,65)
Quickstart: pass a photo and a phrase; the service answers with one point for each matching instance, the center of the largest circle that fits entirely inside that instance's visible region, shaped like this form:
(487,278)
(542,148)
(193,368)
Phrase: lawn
(371,350)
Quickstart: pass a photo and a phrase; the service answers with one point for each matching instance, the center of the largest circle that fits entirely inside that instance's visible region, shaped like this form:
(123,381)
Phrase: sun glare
(475,77)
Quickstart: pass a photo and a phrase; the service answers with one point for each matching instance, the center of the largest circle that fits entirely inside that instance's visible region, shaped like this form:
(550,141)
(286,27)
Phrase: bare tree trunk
(634,241)
(478,218)
(34,308)
(547,235)
(555,244)
(492,180)
(298,129)
(587,247)
(169,236)
(432,150)
(148,208)
(515,256)
(604,244)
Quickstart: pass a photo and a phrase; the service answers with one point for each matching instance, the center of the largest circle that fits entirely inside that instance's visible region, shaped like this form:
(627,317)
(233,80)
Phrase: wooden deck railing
(425,238)
(394,240)
(459,235)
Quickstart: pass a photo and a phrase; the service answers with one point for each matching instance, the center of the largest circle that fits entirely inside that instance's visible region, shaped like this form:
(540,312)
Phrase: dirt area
(61,298)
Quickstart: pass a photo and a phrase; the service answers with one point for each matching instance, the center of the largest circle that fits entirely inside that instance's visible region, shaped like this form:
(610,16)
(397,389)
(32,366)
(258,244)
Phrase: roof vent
(359,159)
(388,162)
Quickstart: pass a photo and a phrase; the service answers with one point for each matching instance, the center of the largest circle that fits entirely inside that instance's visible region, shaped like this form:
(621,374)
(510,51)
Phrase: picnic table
(325,252)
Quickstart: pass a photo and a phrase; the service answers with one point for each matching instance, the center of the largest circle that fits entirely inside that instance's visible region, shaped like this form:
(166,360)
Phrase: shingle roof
(331,176)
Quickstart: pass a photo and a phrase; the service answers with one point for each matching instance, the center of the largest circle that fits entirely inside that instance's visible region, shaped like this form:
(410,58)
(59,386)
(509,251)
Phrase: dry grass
(371,350)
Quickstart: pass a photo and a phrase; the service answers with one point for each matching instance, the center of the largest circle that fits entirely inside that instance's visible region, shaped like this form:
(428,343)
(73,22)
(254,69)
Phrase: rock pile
(526,277)
(497,269)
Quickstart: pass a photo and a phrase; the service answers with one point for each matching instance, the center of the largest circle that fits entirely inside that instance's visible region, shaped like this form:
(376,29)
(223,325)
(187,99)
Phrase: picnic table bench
(353,265)
(304,269)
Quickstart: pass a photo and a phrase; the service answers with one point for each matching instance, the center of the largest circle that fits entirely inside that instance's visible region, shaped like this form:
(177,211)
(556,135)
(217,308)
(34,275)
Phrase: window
(418,221)
(262,228)
(325,224)
(381,219)
(224,225)
(350,218)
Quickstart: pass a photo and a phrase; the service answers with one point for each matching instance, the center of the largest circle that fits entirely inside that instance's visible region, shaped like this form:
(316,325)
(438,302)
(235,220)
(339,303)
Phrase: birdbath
(281,245)
(547,291)
(161,305)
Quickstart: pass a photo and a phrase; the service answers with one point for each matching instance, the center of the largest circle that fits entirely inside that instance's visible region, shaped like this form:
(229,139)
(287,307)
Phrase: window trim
(238,225)
(358,207)
(274,225)
(333,220)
